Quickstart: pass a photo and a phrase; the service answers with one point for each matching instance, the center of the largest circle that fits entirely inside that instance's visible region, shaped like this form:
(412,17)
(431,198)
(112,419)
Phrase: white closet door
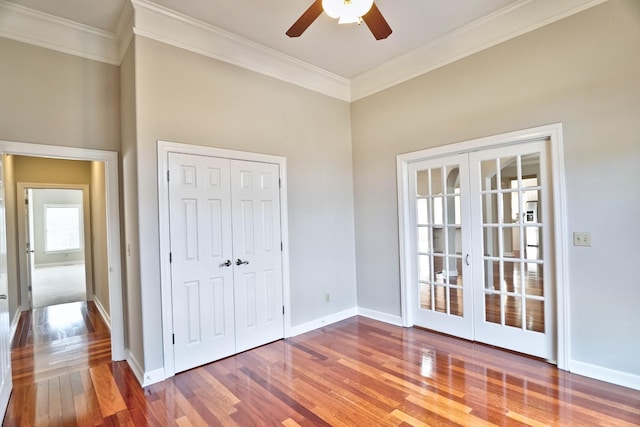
(441,243)
(257,253)
(511,203)
(201,268)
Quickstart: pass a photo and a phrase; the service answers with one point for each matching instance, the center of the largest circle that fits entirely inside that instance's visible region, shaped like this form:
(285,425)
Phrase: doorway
(481,226)
(105,164)
(57,252)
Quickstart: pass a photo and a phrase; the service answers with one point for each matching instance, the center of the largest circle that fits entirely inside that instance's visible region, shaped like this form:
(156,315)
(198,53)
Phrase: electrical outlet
(581,238)
(327,298)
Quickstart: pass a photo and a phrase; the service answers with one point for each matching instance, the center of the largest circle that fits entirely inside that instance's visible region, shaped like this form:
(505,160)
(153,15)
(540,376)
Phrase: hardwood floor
(358,372)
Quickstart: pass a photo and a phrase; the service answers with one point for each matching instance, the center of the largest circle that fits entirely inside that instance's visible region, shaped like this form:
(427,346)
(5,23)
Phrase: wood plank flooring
(358,372)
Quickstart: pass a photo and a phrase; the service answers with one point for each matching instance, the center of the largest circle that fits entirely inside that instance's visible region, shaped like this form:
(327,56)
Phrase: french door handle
(466,259)
(227,263)
(240,262)
(3,296)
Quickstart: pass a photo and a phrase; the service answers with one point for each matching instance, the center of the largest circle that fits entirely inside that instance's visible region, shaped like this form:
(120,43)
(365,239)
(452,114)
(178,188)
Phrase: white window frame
(80,247)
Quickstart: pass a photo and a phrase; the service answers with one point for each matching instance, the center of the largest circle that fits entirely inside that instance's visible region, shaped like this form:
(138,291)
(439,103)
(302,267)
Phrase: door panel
(202,282)
(256,249)
(510,201)
(441,242)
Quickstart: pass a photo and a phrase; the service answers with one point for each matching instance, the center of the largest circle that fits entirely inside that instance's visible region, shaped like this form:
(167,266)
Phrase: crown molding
(505,24)
(41,29)
(144,18)
(167,26)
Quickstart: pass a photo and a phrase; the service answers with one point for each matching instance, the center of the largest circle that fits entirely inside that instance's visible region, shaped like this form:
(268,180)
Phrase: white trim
(164,148)
(52,32)
(59,264)
(144,378)
(321,322)
(612,376)
(380,316)
(14,323)
(110,159)
(170,27)
(505,24)
(150,20)
(103,312)
(552,132)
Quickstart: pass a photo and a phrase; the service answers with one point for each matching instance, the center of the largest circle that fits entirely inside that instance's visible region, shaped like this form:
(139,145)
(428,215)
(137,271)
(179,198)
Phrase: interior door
(201,252)
(226,267)
(441,243)
(480,243)
(6,383)
(512,260)
(28,221)
(257,253)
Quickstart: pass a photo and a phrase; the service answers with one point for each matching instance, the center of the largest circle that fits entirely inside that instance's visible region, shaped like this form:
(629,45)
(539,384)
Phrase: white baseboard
(624,379)
(380,316)
(58,264)
(14,323)
(103,312)
(144,378)
(321,322)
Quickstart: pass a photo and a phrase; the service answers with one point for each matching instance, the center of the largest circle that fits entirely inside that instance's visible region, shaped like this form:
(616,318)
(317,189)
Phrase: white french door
(226,272)
(511,205)
(480,240)
(442,242)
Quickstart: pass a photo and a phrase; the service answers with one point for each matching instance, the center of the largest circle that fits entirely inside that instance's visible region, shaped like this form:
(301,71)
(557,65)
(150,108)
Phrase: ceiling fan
(348,11)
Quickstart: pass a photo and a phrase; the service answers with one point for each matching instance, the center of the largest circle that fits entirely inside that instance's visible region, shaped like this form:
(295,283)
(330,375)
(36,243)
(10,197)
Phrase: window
(63,228)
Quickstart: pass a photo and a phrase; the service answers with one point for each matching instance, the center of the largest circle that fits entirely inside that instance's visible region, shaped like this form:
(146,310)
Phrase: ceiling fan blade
(306,19)
(376,23)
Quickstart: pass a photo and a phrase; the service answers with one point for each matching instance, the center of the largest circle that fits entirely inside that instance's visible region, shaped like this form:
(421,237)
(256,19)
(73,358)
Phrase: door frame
(560,273)
(86,225)
(112,194)
(166,147)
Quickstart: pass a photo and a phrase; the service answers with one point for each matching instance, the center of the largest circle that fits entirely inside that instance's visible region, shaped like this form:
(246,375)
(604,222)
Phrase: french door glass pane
(535,315)
(491,241)
(425,296)
(533,279)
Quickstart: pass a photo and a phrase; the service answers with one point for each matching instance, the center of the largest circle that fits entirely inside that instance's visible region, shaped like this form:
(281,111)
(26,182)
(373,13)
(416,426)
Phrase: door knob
(227,263)
(3,296)
(240,262)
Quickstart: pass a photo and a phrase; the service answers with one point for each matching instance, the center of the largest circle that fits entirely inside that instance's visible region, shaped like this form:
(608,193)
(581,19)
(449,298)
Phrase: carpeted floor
(58,285)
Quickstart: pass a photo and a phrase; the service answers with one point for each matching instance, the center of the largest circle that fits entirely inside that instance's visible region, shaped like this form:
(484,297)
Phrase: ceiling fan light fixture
(349,11)
(345,19)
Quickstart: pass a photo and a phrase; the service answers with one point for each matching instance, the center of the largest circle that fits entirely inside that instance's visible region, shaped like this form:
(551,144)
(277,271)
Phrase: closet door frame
(166,147)
(560,274)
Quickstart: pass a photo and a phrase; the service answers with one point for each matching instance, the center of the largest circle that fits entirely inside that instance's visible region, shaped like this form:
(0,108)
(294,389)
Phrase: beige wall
(129,206)
(53,98)
(99,235)
(185,97)
(583,71)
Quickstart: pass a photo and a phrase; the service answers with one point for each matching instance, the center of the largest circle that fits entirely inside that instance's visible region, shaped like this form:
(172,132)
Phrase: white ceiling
(426,33)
